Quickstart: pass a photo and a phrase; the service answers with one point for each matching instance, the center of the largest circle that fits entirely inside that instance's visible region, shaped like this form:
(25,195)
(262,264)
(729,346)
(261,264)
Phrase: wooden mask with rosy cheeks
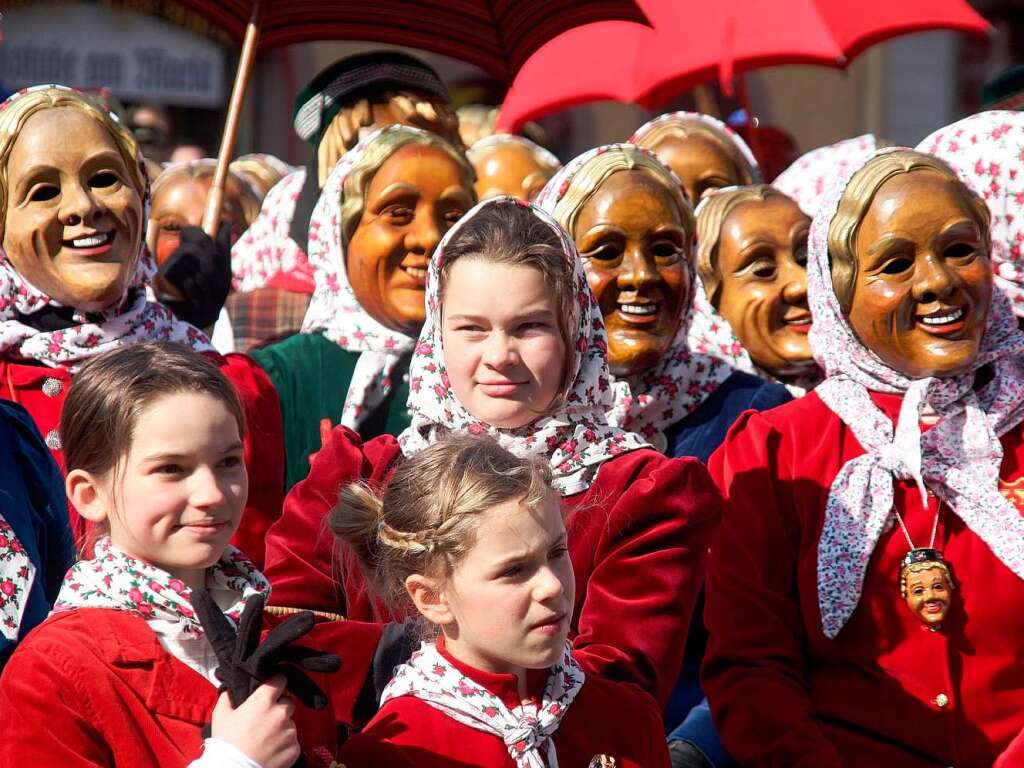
(71,193)
(703,157)
(909,249)
(398,201)
(634,231)
(752,259)
(511,165)
(926,584)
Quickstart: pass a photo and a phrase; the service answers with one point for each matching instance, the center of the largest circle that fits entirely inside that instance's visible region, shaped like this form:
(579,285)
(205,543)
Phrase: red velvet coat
(605,718)
(93,687)
(638,539)
(887,691)
(41,390)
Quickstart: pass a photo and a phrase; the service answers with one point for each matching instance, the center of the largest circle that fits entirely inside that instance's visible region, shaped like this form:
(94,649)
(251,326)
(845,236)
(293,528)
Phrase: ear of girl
(630,511)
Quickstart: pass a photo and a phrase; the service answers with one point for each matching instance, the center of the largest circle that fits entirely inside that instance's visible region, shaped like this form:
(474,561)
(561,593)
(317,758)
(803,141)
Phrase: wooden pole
(227,145)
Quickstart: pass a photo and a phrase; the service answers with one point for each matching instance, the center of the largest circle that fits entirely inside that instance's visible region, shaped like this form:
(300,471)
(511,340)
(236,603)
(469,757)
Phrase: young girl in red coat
(122,673)
(514,347)
(474,539)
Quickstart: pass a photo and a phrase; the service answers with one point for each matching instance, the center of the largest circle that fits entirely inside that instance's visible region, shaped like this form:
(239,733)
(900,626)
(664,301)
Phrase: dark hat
(1005,91)
(922,555)
(354,78)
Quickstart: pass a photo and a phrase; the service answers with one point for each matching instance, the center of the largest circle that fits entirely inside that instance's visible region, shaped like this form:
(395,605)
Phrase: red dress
(605,718)
(41,390)
(638,540)
(887,691)
(93,687)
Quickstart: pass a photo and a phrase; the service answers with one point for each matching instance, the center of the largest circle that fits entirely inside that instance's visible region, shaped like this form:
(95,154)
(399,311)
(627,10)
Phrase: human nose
(638,269)
(423,234)
(499,351)
(78,205)
(206,489)
(933,280)
(547,585)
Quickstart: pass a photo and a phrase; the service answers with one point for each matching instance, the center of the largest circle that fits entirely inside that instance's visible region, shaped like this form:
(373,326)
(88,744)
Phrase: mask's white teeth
(639,309)
(419,274)
(943,319)
(91,242)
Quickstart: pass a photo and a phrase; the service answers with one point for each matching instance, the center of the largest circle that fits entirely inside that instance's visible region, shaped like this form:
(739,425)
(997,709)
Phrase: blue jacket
(33,503)
(700,433)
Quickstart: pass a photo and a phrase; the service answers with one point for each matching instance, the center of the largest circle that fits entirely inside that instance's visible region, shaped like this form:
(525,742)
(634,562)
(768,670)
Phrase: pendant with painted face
(509,168)
(637,254)
(924,280)
(181,202)
(762,259)
(414,198)
(74,219)
(700,164)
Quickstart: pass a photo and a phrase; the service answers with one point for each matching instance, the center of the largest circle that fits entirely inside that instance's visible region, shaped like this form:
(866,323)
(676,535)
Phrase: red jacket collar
(504,685)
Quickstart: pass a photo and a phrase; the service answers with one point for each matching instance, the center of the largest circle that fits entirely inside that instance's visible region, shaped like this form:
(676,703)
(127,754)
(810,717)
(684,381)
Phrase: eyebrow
(885,241)
(171,456)
(520,314)
(398,186)
(562,538)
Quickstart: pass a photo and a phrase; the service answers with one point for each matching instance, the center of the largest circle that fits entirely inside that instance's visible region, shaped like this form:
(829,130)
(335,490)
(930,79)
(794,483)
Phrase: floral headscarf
(114,579)
(334,308)
(712,122)
(575,437)
(526,730)
(683,378)
(987,152)
(266,250)
(810,176)
(958,458)
(132,318)
(17,575)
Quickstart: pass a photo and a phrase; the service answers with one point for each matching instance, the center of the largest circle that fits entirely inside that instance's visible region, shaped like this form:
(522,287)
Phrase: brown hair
(21,108)
(857,198)
(711,216)
(420,110)
(508,232)
(425,520)
(97,423)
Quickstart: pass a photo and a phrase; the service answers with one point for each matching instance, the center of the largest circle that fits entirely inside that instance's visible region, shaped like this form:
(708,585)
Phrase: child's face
(511,597)
(178,496)
(503,349)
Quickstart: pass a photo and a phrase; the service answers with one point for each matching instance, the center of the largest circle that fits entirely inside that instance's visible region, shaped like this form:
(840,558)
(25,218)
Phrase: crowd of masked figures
(445,453)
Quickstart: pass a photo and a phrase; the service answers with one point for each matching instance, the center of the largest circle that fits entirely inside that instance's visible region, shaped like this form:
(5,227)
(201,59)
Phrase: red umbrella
(496,35)
(690,43)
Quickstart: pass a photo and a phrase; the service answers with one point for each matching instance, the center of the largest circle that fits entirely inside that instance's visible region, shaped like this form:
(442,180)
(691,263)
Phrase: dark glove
(246,663)
(684,755)
(200,269)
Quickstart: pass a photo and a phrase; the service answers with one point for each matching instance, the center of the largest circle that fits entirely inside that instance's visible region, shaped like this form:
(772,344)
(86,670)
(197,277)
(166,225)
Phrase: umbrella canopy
(691,43)
(496,35)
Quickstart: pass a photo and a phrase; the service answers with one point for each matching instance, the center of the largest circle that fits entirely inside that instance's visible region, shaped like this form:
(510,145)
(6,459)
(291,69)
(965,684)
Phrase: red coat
(41,390)
(612,719)
(637,539)
(93,687)
(887,691)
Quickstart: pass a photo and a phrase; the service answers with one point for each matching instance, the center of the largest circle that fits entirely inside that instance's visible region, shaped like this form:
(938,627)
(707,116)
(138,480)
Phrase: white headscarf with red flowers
(116,580)
(958,458)
(987,151)
(810,176)
(131,319)
(334,308)
(526,730)
(575,437)
(683,378)
(266,250)
(17,574)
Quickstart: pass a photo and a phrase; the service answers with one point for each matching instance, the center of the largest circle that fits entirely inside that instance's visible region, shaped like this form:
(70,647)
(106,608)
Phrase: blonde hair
(21,108)
(260,171)
(204,168)
(413,108)
(375,155)
(595,171)
(684,126)
(857,198)
(425,521)
(711,216)
(924,565)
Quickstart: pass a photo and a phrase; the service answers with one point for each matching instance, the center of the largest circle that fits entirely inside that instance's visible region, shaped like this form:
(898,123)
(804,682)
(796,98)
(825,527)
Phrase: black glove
(246,663)
(200,269)
(684,755)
